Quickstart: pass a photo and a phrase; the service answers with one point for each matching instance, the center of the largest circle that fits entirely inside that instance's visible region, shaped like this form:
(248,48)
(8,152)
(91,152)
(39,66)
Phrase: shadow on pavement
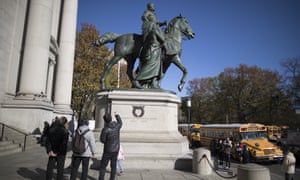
(29,174)
(183,164)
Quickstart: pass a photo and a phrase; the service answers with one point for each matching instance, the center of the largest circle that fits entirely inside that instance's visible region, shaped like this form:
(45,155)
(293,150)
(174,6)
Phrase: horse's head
(180,23)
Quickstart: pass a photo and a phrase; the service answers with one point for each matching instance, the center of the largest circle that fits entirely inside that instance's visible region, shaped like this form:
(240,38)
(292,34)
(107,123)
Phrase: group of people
(243,153)
(222,150)
(56,143)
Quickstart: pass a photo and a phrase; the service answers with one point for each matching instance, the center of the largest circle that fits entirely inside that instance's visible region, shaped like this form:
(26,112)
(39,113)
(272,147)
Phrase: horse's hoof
(155,86)
(136,84)
(180,86)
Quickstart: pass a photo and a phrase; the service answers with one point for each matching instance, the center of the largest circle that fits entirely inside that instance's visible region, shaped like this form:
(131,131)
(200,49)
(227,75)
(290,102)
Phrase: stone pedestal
(149,135)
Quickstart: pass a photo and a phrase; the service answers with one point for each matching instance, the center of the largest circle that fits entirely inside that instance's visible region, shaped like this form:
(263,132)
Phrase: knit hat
(107,118)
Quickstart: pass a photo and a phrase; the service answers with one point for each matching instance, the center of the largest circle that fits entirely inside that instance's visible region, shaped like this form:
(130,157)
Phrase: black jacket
(57,140)
(110,135)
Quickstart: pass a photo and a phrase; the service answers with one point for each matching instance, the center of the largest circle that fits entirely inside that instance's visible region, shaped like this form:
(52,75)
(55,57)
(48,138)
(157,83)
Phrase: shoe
(118,174)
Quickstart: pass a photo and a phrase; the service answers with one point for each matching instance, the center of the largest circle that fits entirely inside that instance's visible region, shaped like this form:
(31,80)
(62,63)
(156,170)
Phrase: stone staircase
(12,141)
(8,147)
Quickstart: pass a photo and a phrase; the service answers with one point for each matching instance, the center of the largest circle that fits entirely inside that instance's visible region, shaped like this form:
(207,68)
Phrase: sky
(228,32)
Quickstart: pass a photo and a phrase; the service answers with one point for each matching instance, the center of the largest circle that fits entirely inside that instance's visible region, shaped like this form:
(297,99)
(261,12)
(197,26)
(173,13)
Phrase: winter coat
(110,135)
(288,163)
(228,146)
(89,142)
(57,140)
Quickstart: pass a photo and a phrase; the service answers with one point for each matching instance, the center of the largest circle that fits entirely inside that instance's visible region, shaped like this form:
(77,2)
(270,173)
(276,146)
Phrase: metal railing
(4,126)
(216,169)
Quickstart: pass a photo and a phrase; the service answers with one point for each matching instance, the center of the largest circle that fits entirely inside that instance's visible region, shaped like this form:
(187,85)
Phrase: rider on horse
(148,48)
(149,18)
(150,56)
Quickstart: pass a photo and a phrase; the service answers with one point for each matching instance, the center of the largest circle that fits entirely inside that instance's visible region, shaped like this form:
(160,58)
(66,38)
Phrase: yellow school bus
(252,134)
(274,132)
(194,136)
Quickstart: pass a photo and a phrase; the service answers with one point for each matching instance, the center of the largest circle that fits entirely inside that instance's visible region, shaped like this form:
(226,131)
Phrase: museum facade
(36,61)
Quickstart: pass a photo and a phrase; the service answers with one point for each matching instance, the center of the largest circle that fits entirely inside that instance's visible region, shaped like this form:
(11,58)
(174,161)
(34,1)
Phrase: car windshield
(254,135)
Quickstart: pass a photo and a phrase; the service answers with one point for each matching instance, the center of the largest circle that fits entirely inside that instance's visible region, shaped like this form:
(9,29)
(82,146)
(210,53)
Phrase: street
(277,173)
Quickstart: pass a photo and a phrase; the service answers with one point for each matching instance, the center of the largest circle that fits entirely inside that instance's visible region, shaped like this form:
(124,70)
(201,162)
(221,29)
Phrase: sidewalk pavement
(32,165)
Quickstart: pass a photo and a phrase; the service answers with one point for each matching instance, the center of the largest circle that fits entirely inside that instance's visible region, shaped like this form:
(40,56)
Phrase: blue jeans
(106,157)
(76,160)
(119,166)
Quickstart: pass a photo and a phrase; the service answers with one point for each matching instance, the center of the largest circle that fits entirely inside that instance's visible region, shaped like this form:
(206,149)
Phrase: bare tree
(291,77)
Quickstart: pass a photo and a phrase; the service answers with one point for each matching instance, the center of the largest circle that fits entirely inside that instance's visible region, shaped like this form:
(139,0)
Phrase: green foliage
(88,67)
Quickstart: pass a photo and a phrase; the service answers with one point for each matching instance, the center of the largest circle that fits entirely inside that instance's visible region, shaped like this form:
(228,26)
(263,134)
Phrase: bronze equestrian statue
(132,46)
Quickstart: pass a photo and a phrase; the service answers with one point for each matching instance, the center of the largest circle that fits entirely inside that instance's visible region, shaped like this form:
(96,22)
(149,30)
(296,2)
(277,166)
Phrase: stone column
(50,78)
(36,52)
(64,76)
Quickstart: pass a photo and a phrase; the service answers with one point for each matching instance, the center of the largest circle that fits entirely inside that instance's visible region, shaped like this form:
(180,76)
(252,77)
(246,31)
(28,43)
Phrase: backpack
(78,145)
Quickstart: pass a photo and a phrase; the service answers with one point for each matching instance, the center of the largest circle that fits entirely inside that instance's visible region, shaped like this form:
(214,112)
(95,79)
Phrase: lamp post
(189,105)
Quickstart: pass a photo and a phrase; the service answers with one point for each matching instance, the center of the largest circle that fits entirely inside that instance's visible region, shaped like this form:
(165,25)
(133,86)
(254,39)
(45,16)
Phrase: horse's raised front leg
(177,61)
(108,65)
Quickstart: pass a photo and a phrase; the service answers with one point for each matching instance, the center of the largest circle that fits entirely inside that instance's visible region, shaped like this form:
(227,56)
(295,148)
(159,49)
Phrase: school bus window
(253,135)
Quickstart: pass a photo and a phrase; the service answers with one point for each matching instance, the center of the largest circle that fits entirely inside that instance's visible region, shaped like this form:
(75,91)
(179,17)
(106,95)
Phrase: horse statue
(128,46)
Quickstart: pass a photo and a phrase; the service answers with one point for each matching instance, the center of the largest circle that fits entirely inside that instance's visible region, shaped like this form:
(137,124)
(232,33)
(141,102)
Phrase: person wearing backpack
(83,147)
(110,137)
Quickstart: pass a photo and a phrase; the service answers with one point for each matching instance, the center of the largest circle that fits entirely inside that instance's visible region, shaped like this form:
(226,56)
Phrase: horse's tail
(106,38)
